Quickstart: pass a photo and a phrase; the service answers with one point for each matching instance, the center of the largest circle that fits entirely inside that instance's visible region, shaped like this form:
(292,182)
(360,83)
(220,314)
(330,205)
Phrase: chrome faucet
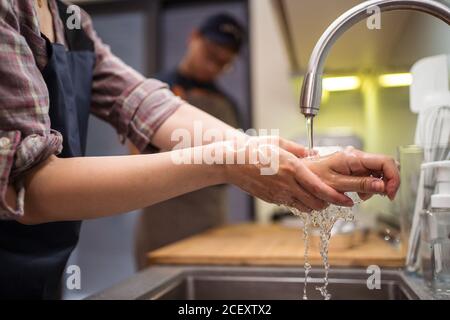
(312,85)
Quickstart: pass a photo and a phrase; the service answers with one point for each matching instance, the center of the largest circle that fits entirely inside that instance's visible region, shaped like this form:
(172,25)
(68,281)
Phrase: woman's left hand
(340,169)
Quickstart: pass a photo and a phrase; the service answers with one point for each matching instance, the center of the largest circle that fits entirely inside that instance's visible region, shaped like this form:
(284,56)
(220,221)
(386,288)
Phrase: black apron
(33,258)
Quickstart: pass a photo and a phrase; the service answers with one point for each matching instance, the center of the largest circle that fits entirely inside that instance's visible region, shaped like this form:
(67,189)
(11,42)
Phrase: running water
(324,222)
(307,265)
(310,134)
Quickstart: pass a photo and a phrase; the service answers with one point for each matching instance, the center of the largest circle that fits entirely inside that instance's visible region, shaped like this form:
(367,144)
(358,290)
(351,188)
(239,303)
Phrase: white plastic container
(435,242)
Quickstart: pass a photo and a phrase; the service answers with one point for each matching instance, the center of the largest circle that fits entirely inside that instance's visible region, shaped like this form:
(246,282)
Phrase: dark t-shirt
(205,95)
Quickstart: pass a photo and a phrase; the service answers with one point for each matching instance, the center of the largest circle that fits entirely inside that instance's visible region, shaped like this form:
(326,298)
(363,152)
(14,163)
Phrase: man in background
(211,52)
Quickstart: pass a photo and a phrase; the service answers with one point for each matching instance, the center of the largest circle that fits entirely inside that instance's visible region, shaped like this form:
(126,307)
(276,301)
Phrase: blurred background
(369,108)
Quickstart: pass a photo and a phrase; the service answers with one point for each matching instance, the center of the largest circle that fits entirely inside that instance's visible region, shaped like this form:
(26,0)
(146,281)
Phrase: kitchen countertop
(271,245)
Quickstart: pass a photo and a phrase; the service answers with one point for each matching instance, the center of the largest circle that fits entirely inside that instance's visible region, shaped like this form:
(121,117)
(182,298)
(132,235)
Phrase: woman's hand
(348,171)
(292,183)
(313,184)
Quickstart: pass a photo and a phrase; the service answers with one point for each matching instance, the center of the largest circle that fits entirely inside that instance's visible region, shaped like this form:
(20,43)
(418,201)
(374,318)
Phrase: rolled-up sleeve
(134,105)
(25,135)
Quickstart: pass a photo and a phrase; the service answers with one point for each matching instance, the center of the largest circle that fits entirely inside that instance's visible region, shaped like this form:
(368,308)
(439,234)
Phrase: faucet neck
(312,85)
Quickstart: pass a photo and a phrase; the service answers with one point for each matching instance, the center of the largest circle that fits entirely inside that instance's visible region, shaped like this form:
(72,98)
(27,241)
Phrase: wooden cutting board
(270,245)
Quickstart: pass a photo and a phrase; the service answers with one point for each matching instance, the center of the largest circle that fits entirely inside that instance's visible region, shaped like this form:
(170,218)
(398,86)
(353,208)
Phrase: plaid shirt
(135,106)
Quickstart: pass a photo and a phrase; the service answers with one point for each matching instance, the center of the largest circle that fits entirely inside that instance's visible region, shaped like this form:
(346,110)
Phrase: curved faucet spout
(312,85)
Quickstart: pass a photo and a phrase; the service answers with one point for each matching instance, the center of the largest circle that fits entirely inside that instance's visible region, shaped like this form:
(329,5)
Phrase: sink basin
(280,285)
(251,283)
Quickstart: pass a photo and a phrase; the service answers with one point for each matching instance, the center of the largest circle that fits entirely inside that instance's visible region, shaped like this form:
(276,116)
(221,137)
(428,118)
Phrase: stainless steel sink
(203,285)
(250,283)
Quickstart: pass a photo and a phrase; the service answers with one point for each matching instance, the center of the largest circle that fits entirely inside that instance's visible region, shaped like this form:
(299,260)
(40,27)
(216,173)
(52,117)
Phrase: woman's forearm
(87,188)
(190,118)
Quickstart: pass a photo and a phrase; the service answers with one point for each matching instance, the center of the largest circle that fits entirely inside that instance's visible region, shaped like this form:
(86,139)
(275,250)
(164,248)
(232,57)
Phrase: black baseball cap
(223,29)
